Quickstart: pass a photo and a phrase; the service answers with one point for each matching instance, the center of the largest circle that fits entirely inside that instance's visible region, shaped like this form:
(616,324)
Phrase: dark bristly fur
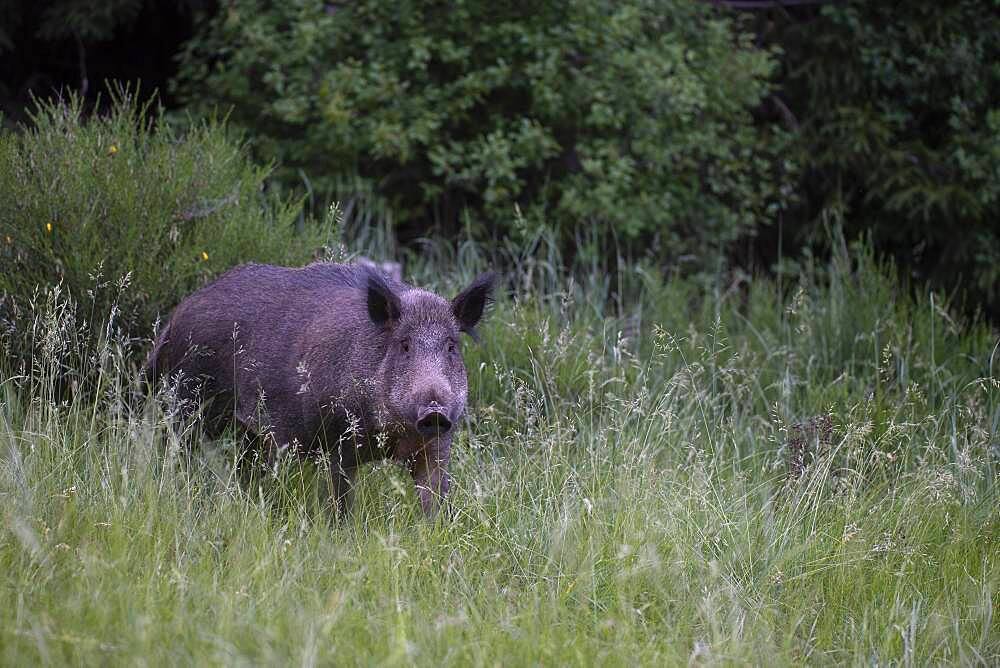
(339,359)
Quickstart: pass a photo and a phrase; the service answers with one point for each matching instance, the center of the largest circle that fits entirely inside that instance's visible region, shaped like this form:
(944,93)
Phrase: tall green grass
(625,492)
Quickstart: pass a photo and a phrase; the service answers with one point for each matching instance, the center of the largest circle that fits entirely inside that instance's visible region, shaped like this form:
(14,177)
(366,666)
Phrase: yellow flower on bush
(113,149)
(204,256)
(48,227)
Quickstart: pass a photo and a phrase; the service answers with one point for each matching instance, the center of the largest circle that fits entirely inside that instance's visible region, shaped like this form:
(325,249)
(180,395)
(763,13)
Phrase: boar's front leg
(429,469)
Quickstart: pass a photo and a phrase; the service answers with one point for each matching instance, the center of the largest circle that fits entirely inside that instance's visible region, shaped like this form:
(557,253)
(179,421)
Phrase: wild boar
(340,360)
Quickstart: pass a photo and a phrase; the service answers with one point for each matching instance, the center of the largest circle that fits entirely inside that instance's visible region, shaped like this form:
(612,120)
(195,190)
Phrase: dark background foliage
(62,45)
(894,114)
(698,135)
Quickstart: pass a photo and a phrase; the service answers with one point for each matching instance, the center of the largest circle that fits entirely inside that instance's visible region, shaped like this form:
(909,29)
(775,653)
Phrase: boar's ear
(471,302)
(383,303)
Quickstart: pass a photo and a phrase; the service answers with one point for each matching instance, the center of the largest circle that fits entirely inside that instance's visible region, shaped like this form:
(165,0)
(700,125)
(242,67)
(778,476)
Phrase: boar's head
(421,380)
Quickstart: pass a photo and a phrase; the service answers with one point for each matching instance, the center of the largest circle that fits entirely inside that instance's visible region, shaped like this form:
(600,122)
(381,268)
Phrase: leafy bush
(89,201)
(899,131)
(626,119)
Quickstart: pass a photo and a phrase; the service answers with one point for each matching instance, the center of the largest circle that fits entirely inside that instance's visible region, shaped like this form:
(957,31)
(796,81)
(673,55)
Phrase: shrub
(87,202)
(899,132)
(627,119)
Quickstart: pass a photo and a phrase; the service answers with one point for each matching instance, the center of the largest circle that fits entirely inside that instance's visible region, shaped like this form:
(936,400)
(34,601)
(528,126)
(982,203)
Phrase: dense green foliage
(898,106)
(617,500)
(122,197)
(622,126)
(626,120)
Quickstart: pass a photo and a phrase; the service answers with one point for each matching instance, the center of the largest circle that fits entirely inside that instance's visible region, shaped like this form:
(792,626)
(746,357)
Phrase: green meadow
(658,473)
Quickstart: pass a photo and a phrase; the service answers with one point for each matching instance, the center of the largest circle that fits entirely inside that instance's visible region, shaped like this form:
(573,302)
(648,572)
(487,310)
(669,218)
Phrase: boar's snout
(433,420)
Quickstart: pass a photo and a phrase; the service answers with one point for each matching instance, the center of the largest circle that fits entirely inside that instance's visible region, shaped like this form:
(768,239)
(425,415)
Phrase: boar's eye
(451,347)
(405,345)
